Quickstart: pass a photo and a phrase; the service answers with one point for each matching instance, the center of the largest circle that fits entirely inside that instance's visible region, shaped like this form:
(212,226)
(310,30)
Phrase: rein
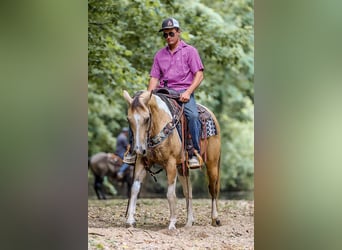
(166,130)
(154,141)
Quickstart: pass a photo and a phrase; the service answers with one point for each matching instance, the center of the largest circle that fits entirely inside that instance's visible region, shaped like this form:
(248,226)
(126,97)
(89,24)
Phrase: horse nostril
(144,152)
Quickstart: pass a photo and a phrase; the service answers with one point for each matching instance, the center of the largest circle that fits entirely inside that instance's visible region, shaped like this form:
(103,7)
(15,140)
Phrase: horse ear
(127,97)
(146,96)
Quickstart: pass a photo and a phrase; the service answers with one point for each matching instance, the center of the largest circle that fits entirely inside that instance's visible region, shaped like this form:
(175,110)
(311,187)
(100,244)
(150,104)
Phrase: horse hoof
(131,225)
(216,222)
(189,224)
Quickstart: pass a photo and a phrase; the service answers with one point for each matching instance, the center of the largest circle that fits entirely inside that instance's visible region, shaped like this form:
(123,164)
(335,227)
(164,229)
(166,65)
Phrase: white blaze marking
(137,119)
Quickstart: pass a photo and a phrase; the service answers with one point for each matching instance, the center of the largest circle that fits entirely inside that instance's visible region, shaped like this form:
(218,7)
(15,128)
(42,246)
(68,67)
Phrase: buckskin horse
(155,141)
(108,164)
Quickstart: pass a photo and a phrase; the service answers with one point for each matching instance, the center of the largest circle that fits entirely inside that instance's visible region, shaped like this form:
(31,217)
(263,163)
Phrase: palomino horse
(147,115)
(108,164)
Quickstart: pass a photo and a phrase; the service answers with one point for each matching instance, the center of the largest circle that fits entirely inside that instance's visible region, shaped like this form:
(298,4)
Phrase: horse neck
(160,114)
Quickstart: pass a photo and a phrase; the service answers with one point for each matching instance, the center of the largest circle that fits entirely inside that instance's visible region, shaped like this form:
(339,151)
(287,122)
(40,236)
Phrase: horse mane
(136,101)
(141,99)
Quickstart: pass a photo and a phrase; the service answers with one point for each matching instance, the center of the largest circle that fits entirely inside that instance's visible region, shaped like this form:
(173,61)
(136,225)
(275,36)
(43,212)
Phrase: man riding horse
(177,66)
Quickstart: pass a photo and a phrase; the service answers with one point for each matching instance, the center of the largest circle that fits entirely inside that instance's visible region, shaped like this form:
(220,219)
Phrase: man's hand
(185,97)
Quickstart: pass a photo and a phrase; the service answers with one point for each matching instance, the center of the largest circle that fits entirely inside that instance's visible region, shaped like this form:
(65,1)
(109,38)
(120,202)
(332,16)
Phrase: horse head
(139,118)
(114,160)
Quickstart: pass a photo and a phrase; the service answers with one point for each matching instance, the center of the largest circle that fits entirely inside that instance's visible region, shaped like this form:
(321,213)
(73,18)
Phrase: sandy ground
(107,229)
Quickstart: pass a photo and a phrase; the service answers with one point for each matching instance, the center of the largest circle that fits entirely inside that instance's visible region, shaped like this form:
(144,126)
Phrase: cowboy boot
(195,161)
(129,157)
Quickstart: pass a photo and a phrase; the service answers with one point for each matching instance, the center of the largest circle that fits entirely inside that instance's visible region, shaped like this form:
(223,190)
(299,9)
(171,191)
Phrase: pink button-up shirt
(178,68)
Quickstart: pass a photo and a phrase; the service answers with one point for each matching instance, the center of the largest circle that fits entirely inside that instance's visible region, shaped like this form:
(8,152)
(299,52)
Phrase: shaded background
(297,128)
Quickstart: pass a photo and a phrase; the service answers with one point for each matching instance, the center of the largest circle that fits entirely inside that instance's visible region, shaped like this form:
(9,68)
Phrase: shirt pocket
(177,64)
(181,65)
(185,63)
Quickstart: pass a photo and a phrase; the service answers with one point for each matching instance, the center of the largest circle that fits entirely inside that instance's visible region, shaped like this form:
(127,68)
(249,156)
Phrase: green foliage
(123,38)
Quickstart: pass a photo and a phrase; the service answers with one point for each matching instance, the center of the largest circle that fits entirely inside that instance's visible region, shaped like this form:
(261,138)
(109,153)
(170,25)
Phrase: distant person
(121,148)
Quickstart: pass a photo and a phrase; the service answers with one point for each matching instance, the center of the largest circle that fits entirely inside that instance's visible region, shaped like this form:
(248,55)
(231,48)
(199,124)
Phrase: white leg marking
(171,197)
(133,201)
(214,213)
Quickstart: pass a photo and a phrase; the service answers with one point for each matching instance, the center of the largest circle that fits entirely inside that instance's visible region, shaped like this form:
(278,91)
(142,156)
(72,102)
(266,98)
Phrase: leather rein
(167,129)
(156,140)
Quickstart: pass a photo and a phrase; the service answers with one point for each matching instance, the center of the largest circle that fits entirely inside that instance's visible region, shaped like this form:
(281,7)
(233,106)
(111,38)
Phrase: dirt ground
(107,229)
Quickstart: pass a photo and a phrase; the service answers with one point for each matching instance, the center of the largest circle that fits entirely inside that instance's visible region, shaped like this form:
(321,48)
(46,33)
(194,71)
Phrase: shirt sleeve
(155,70)
(195,61)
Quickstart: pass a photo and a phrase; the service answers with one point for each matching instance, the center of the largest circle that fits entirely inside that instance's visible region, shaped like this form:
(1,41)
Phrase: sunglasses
(171,34)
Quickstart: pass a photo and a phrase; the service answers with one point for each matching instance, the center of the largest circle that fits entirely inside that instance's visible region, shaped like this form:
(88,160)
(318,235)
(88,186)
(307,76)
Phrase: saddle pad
(207,122)
(210,128)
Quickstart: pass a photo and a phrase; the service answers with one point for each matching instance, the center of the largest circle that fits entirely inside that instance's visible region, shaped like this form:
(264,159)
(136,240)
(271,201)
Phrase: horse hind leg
(187,191)
(128,178)
(214,188)
(171,193)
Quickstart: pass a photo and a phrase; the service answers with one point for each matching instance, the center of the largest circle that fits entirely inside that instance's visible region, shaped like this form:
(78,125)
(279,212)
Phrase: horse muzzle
(140,150)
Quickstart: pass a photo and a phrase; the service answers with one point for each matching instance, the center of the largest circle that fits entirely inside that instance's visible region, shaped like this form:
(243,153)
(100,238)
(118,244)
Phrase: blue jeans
(124,166)
(194,125)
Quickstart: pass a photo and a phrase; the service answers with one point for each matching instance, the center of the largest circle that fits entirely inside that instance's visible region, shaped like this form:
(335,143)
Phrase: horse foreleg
(171,194)
(139,176)
(187,191)
(98,187)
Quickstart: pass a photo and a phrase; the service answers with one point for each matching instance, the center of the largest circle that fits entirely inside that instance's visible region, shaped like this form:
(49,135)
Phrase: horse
(148,115)
(108,164)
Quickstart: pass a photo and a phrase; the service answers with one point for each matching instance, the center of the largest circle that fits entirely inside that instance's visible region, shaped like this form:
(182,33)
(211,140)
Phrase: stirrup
(196,161)
(129,159)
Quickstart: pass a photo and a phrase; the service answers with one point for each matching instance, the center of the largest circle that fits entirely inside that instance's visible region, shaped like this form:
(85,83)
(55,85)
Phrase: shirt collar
(181,45)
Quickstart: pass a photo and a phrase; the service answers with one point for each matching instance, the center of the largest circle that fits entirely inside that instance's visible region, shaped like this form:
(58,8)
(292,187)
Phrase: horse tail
(218,130)
(218,183)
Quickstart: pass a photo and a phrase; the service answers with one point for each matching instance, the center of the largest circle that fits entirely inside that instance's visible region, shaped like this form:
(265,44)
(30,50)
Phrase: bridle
(154,141)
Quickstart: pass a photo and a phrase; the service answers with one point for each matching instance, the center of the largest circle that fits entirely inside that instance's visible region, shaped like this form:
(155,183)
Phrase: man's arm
(185,96)
(153,83)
